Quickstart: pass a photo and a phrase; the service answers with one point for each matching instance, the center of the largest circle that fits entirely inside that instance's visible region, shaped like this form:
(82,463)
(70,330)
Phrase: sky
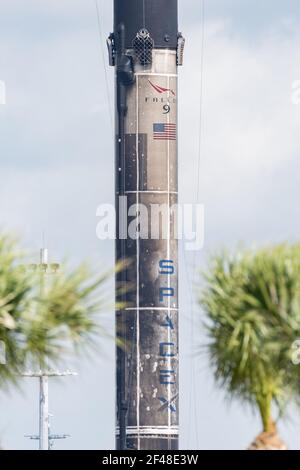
(57,166)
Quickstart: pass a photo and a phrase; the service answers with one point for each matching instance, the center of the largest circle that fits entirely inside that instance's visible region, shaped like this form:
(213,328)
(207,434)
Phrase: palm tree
(252,306)
(36,329)
(14,290)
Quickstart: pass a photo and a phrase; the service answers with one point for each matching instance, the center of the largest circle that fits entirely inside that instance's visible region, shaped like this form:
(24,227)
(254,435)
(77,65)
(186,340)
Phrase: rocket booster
(146,49)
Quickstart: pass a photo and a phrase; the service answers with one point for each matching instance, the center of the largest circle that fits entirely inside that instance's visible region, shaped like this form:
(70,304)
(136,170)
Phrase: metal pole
(44,414)
(45,438)
(146,49)
(44,386)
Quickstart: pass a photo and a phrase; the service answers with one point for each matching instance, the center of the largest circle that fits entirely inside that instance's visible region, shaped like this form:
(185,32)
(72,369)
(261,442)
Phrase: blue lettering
(165,377)
(169,323)
(167,404)
(166,266)
(165,292)
(165,349)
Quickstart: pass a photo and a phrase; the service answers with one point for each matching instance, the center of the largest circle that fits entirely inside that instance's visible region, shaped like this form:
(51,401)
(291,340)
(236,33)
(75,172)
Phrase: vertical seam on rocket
(168,256)
(137,268)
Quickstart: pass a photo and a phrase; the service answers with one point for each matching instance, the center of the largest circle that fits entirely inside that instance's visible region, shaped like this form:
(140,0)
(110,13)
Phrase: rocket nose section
(158,17)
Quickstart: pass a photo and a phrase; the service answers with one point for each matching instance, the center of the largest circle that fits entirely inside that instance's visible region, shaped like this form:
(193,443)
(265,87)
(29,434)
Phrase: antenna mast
(45,438)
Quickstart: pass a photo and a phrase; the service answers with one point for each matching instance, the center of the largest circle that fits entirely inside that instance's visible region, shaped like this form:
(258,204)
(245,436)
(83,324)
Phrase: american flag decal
(164,131)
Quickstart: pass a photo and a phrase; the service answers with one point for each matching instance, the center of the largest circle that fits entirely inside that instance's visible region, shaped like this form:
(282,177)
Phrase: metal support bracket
(110,42)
